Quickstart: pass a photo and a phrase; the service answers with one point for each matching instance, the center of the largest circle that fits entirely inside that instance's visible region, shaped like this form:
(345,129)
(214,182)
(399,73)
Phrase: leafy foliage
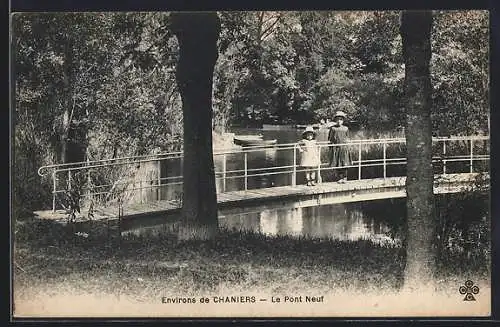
(110,79)
(310,64)
(460,71)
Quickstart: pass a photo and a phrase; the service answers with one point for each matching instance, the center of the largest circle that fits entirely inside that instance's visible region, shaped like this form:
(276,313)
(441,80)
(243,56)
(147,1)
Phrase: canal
(380,221)
(463,222)
(229,167)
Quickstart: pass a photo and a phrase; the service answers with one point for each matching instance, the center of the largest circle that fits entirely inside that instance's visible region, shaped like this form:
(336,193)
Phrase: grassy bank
(50,261)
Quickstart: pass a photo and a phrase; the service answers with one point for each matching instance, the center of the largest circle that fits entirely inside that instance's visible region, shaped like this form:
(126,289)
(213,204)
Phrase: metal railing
(105,180)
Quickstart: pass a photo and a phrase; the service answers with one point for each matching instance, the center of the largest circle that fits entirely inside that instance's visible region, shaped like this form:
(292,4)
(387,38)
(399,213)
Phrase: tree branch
(268,30)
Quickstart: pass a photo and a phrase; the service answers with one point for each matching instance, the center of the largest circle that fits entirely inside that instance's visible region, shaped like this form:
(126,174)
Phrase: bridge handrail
(103,163)
(247,172)
(287,169)
(43,170)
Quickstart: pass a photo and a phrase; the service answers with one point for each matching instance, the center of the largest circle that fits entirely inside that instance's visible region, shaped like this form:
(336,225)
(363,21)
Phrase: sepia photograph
(254,164)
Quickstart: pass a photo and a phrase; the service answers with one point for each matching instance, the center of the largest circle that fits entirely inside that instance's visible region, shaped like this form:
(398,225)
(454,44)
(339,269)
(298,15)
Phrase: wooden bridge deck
(279,197)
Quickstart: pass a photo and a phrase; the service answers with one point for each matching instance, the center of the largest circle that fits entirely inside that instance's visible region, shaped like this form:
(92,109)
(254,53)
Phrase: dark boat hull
(255,142)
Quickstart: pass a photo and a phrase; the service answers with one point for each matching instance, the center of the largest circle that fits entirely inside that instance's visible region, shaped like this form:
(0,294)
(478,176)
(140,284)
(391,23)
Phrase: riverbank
(143,270)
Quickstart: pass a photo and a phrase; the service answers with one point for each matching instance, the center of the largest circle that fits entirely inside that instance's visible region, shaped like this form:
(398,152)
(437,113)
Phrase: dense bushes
(111,78)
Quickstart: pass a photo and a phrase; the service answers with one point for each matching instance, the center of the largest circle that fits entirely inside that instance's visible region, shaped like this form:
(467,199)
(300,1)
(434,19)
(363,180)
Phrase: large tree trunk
(197,34)
(420,242)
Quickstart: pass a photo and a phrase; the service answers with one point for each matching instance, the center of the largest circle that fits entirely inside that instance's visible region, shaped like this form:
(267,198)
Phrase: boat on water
(252,140)
(255,142)
(271,127)
(326,125)
(315,126)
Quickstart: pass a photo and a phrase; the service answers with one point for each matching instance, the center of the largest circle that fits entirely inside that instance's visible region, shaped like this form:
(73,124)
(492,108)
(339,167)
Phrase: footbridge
(259,176)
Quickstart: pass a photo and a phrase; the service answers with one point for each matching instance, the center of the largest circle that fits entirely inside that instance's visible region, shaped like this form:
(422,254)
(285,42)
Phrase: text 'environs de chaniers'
(243,299)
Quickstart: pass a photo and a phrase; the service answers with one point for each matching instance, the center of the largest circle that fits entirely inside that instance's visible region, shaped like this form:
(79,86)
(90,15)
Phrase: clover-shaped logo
(469,289)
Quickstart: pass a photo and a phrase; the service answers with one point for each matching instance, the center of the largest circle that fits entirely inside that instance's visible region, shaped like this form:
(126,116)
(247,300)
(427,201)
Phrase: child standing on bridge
(309,150)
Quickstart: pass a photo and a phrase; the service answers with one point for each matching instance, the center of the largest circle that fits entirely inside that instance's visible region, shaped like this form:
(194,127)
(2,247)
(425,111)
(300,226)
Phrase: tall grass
(29,191)
(373,134)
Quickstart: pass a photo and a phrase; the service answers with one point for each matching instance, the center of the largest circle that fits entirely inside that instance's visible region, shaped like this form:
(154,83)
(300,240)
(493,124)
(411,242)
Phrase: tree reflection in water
(342,222)
(464,221)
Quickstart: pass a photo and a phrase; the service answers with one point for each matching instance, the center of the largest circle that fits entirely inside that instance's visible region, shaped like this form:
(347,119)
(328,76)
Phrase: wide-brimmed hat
(339,114)
(309,129)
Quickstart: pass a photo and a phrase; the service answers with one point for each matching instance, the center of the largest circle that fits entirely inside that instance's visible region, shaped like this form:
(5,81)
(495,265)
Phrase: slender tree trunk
(64,181)
(67,95)
(73,135)
(197,34)
(421,229)
(65,136)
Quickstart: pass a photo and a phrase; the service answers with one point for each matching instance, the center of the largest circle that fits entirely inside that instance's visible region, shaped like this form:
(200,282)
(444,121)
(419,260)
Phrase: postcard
(251,164)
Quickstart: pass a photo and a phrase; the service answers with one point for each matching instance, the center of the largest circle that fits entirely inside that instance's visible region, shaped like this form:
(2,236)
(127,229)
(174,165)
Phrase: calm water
(347,222)
(342,222)
(274,157)
(378,221)
(256,161)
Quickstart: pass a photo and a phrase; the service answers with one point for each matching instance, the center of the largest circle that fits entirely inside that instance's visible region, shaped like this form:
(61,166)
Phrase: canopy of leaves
(111,76)
(291,67)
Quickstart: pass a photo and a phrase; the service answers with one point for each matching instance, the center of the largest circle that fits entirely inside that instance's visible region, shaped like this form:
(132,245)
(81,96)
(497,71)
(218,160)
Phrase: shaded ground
(51,261)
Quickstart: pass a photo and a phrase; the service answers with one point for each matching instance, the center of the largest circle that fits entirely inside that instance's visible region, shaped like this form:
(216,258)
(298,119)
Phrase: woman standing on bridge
(310,154)
(339,154)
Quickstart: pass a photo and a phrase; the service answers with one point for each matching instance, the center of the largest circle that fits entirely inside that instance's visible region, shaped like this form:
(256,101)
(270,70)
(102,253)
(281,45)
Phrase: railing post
(444,157)
(54,187)
(159,180)
(294,173)
(246,170)
(385,164)
(319,165)
(359,160)
(471,154)
(141,191)
(224,172)
(69,180)
(89,180)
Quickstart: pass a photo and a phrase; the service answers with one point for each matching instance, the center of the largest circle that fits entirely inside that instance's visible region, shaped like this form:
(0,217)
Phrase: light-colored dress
(310,155)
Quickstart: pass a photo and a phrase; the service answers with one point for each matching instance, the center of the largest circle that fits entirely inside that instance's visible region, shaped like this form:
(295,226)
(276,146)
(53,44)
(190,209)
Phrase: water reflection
(464,222)
(234,164)
(281,222)
(341,222)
